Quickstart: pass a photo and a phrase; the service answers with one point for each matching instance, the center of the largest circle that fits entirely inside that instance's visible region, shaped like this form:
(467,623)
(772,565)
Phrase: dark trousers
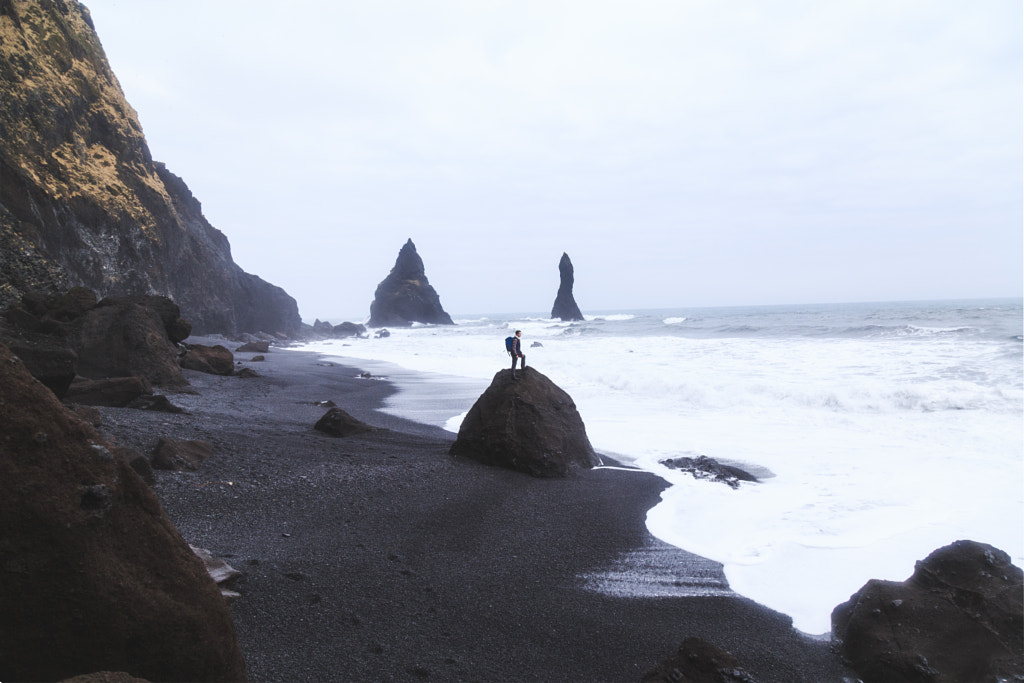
(515,358)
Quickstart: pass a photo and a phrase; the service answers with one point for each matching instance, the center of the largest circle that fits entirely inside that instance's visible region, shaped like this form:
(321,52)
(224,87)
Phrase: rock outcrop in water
(528,424)
(93,575)
(82,202)
(960,617)
(565,306)
(405,296)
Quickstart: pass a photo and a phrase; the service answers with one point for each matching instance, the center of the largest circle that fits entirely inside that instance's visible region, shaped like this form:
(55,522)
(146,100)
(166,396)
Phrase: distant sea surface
(880,431)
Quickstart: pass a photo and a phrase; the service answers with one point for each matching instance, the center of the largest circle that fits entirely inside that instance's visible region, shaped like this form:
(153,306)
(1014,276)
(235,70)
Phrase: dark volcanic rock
(528,424)
(82,202)
(49,358)
(698,661)
(116,392)
(336,422)
(960,617)
(214,360)
(565,305)
(171,454)
(127,336)
(254,347)
(405,296)
(703,467)
(94,577)
(347,329)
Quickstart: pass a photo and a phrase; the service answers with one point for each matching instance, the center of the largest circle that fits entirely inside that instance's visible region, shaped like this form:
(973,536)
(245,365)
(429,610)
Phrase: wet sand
(379,557)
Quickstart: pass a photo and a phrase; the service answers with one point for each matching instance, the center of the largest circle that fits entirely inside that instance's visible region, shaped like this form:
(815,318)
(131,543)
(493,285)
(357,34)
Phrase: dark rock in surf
(336,422)
(698,661)
(703,467)
(405,296)
(348,329)
(94,575)
(526,424)
(959,617)
(565,306)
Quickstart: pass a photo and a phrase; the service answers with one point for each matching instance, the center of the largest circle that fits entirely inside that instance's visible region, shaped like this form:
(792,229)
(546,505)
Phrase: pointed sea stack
(528,424)
(405,296)
(565,305)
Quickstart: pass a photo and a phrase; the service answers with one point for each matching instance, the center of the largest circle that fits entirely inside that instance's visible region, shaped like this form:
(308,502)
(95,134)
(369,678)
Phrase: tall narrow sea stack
(83,203)
(405,296)
(565,305)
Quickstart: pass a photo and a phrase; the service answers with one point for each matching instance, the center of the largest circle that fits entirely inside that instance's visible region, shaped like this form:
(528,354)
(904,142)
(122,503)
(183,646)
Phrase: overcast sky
(683,153)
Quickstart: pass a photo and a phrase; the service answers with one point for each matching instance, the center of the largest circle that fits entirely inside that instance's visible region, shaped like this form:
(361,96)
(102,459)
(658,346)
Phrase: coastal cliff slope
(83,203)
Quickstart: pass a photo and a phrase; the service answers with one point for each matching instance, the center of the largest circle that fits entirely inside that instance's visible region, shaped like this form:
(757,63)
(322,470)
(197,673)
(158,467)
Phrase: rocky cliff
(82,202)
(405,296)
(565,304)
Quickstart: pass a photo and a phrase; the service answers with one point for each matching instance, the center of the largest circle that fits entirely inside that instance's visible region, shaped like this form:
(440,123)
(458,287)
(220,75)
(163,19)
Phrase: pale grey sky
(684,153)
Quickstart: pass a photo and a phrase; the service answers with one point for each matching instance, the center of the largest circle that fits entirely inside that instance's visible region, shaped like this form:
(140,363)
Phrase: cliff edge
(83,203)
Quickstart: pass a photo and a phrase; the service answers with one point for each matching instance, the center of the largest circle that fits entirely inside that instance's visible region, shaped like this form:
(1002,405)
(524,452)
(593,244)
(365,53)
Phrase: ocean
(879,431)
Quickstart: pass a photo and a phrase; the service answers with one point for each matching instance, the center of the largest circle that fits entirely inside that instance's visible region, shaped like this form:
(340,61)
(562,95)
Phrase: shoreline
(381,557)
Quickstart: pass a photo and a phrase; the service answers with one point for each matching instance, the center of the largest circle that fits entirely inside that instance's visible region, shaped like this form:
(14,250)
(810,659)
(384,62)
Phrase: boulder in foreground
(960,617)
(526,424)
(94,576)
(698,661)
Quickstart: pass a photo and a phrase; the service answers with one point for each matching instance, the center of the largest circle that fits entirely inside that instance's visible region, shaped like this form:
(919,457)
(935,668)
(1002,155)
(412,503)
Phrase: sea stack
(528,424)
(405,296)
(565,305)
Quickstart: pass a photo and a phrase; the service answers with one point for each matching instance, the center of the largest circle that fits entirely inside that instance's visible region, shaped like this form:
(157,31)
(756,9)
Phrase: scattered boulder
(698,661)
(336,422)
(214,360)
(254,347)
(382,333)
(405,296)
(171,454)
(526,424)
(94,575)
(703,467)
(565,306)
(247,373)
(116,392)
(959,617)
(536,345)
(127,336)
(258,359)
(322,327)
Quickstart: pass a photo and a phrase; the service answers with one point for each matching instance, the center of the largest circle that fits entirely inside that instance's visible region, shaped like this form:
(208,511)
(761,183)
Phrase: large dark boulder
(214,360)
(527,424)
(116,392)
(127,336)
(960,617)
(405,296)
(565,305)
(93,575)
(82,202)
(69,334)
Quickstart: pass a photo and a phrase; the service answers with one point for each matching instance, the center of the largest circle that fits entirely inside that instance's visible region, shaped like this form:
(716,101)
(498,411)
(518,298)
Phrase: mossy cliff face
(81,200)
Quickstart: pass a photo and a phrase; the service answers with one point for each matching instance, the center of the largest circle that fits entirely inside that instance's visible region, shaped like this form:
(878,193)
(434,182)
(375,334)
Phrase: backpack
(508,344)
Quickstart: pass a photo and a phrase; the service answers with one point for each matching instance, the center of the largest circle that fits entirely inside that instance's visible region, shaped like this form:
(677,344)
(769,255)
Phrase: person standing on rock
(517,352)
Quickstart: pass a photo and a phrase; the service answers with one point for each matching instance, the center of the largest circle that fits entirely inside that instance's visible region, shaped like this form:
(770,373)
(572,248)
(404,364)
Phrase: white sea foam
(674,321)
(884,446)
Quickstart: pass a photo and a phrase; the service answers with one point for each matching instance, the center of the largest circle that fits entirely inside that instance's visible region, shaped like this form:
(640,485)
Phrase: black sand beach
(379,557)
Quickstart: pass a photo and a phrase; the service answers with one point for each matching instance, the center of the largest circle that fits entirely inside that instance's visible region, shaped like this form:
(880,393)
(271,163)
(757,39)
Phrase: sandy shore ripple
(379,557)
